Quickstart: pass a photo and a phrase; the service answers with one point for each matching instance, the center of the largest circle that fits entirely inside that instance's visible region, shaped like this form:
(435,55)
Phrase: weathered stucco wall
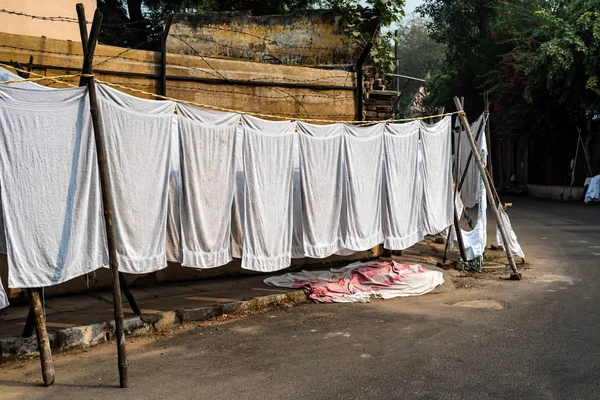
(140,70)
(301,38)
(61,29)
(291,91)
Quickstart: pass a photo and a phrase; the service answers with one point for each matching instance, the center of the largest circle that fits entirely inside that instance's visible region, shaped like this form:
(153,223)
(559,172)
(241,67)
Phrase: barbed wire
(56,19)
(273,116)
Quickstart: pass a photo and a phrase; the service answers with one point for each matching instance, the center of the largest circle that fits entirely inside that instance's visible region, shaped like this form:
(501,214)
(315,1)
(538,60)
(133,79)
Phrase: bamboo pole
(459,237)
(163,55)
(515,274)
(42,337)
(105,187)
(468,163)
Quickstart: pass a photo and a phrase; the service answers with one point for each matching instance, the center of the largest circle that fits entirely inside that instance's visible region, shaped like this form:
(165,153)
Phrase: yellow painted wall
(23,25)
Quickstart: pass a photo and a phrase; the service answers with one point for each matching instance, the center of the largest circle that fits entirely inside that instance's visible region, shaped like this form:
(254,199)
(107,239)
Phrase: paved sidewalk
(84,320)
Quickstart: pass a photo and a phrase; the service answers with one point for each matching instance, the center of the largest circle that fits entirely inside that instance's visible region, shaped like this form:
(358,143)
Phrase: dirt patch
(480,303)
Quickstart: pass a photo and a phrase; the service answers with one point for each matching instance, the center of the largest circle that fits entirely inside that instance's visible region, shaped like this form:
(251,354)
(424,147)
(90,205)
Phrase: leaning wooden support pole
(29,324)
(459,237)
(515,274)
(129,295)
(42,336)
(105,188)
(468,163)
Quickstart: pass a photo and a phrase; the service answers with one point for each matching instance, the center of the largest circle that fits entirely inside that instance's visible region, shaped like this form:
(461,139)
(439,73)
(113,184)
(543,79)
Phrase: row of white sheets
(198,187)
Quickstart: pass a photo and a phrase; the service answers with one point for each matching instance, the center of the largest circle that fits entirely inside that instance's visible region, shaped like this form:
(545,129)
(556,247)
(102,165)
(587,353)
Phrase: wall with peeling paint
(312,37)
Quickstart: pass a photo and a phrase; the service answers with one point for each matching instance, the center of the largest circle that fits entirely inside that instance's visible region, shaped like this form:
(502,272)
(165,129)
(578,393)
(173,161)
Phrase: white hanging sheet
(361,216)
(437,178)
(173,243)
(470,188)
(51,193)
(208,142)
(138,137)
(513,244)
(402,186)
(6,75)
(474,240)
(321,152)
(268,193)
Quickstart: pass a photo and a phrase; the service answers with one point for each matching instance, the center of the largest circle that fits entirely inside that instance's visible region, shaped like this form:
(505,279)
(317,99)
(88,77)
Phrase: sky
(411,5)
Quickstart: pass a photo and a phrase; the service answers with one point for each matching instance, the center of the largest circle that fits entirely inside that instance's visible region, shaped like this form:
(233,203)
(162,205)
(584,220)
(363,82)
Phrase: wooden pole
(42,337)
(163,55)
(106,199)
(464,175)
(459,237)
(515,275)
(29,324)
(129,295)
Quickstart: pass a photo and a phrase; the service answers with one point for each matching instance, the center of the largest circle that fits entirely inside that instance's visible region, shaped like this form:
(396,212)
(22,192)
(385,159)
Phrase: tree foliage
(418,56)
(538,59)
(141,20)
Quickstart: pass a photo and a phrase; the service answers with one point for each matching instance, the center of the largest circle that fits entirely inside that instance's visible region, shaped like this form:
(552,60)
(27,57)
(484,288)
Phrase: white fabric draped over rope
(200,187)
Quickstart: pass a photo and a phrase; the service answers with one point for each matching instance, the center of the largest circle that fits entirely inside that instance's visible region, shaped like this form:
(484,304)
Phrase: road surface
(534,339)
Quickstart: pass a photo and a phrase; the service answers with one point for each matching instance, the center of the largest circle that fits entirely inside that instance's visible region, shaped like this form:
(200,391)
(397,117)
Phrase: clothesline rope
(59,78)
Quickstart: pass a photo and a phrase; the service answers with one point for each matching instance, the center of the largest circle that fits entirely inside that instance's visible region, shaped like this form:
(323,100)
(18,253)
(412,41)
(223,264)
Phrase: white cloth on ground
(51,192)
(268,167)
(138,137)
(513,244)
(321,152)
(437,178)
(470,188)
(363,161)
(402,186)
(208,142)
(593,191)
(358,282)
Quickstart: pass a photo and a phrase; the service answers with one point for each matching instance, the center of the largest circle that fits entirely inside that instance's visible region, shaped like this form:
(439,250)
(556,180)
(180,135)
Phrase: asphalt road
(534,339)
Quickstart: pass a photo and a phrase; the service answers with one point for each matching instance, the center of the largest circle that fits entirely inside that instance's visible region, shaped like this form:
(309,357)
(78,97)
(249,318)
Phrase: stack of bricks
(378,102)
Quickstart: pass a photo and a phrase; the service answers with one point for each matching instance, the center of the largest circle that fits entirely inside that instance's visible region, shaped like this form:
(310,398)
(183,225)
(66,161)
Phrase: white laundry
(474,240)
(268,167)
(593,191)
(237,211)
(470,188)
(173,243)
(3,297)
(321,152)
(208,141)
(513,244)
(402,186)
(358,282)
(51,194)
(6,75)
(361,213)
(437,179)
(138,137)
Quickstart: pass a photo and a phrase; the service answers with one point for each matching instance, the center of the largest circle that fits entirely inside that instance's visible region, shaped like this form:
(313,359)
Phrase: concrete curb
(90,335)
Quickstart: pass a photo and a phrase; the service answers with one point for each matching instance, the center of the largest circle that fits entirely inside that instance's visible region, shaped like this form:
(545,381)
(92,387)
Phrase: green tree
(137,23)
(418,56)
